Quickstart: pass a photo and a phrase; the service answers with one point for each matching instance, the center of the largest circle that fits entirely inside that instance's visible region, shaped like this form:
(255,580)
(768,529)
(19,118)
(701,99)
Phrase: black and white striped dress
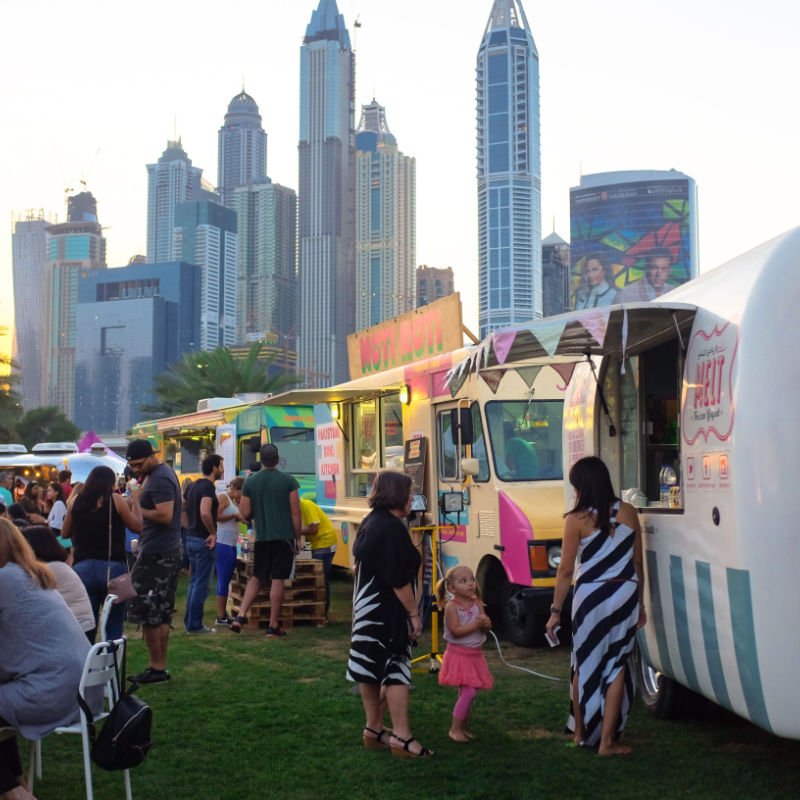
(605,611)
(386,559)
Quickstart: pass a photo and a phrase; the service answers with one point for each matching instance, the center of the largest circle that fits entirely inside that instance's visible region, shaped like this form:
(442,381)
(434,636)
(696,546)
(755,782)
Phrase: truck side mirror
(461,421)
(470,466)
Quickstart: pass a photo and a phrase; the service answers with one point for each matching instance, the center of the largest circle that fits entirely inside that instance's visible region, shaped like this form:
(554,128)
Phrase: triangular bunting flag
(501,343)
(528,374)
(493,378)
(565,371)
(596,323)
(457,382)
(548,334)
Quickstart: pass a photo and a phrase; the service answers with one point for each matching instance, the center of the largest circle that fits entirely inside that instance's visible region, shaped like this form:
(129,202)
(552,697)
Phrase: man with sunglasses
(155,574)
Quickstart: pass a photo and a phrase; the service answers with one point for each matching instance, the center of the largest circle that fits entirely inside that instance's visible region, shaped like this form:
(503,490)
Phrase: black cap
(139,448)
(269,455)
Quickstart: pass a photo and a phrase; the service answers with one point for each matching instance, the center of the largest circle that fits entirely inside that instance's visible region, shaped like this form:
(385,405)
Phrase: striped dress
(605,611)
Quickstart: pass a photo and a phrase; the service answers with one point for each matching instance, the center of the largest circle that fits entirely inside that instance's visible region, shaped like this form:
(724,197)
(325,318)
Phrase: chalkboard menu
(415,456)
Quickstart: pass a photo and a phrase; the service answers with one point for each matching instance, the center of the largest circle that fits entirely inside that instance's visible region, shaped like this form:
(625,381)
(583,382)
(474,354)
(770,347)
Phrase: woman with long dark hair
(96,511)
(54,495)
(385,616)
(602,536)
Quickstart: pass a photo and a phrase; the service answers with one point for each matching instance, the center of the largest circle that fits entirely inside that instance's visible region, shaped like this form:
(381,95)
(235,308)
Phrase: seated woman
(42,652)
(47,549)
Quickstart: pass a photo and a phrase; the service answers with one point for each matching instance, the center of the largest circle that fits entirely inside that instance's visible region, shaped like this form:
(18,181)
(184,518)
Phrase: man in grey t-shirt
(155,574)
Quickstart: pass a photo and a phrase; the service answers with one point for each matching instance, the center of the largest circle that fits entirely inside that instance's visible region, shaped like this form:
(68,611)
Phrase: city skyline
(629,87)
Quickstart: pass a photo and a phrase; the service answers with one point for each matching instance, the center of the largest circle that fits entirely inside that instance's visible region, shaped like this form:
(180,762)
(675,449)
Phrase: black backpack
(124,739)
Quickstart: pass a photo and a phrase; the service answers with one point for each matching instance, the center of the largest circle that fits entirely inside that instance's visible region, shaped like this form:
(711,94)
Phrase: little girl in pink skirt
(465,626)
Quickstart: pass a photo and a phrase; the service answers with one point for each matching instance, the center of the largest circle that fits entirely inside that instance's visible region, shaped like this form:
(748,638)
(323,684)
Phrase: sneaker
(150,675)
(226,620)
(198,631)
(236,624)
(275,633)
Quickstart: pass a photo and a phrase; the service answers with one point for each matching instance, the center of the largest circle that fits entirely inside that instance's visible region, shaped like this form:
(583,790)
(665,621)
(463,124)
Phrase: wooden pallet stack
(303,600)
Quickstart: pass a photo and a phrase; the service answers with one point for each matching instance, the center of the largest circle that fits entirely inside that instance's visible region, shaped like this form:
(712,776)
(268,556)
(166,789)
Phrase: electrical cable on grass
(524,669)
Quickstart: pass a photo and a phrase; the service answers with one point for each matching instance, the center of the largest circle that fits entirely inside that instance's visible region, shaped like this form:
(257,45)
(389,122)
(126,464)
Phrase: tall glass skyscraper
(74,248)
(172,180)
(326,197)
(509,172)
(31,290)
(385,222)
(205,235)
(242,148)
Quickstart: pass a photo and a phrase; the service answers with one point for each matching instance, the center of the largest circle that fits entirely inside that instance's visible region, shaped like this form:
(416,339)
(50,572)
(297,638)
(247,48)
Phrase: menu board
(415,456)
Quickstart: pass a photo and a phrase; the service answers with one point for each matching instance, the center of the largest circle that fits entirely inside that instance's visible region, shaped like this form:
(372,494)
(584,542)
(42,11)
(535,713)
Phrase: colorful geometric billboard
(631,240)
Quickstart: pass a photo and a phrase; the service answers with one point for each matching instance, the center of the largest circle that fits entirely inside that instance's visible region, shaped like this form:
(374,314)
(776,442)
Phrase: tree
(214,373)
(46,424)
(10,405)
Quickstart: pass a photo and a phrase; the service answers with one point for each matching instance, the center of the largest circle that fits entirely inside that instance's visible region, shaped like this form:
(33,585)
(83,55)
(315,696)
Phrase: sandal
(236,624)
(377,741)
(406,752)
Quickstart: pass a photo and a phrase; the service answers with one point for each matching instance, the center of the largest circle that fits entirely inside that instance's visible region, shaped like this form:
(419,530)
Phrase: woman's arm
(131,513)
(405,594)
(566,568)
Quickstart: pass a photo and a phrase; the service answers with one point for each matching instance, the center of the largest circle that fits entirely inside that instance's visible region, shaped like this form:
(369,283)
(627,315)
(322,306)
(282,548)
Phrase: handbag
(124,740)
(122,585)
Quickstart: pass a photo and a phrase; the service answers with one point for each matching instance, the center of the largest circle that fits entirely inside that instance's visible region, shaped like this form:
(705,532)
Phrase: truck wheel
(661,695)
(521,624)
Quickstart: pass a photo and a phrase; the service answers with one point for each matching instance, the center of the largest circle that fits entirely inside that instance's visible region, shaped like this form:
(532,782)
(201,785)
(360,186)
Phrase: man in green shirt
(271,499)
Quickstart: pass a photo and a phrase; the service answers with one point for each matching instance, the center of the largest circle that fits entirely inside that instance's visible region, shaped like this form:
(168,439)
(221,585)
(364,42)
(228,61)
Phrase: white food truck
(704,380)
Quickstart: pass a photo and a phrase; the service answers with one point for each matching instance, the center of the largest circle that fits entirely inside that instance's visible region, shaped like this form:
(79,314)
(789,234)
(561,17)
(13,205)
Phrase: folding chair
(98,671)
(105,611)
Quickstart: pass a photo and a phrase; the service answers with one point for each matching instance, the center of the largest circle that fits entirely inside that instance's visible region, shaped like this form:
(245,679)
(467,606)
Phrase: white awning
(621,330)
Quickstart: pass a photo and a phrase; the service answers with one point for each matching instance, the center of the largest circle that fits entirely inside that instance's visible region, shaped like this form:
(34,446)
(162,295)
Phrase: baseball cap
(269,455)
(139,448)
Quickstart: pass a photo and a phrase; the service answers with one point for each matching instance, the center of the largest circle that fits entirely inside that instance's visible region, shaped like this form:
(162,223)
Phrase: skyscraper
(74,248)
(31,290)
(326,196)
(170,181)
(555,276)
(509,173)
(205,235)
(267,283)
(385,222)
(242,148)
(633,235)
(132,323)
(433,283)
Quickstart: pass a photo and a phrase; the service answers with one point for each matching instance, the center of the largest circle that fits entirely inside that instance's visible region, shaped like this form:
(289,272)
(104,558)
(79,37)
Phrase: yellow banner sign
(424,332)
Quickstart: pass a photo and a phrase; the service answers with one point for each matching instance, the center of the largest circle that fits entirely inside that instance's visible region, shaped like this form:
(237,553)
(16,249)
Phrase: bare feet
(614,750)
(462,737)
(470,735)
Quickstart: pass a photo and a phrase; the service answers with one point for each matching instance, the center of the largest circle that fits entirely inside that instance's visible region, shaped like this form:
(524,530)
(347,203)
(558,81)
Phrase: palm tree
(214,373)
(10,405)
(46,424)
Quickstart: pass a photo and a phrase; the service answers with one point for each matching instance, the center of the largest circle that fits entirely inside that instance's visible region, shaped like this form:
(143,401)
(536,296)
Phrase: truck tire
(522,626)
(662,696)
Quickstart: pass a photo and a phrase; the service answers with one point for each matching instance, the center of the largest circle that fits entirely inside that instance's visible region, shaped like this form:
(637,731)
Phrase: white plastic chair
(98,670)
(105,611)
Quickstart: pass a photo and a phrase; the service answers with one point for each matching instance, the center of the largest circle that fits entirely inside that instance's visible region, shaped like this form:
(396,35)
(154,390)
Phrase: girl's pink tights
(466,694)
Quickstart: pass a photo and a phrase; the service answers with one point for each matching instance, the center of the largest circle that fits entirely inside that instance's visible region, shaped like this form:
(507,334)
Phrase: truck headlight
(554,556)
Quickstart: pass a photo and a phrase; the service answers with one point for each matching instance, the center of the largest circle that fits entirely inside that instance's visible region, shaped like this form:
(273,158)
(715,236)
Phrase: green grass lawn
(246,717)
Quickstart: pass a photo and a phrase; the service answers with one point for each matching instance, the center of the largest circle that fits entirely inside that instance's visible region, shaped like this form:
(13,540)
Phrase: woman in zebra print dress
(602,534)
(385,615)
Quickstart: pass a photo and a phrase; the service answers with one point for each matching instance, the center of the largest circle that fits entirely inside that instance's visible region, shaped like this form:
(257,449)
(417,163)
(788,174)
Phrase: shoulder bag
(122,585)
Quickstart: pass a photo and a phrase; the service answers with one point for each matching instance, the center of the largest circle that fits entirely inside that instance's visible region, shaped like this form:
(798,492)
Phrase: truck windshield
(526,439)
(297,449)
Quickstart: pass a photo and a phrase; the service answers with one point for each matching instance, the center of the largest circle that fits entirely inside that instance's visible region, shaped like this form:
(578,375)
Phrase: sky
(93,90)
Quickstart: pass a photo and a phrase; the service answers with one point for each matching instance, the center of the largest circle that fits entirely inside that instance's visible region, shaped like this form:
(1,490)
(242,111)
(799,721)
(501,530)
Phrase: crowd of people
(56,564)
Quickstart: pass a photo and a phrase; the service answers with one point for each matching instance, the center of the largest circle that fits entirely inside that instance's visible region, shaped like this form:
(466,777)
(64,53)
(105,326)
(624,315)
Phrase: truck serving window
(377,440)
(297,449)
(448,464)
(526,439)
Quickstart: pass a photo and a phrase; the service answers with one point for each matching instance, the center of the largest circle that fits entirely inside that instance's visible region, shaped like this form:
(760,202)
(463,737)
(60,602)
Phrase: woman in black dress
(385,615)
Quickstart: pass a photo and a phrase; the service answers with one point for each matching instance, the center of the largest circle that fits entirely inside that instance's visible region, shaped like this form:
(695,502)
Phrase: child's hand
(484,622)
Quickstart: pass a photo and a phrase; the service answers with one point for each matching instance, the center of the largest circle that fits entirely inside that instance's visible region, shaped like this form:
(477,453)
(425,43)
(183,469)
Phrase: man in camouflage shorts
(155,574)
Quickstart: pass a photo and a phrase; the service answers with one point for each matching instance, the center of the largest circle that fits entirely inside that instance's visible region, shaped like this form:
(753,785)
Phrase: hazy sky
(92,90)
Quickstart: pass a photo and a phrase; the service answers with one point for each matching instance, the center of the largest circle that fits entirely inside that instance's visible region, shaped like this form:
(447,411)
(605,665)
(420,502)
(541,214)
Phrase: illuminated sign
(424,332)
